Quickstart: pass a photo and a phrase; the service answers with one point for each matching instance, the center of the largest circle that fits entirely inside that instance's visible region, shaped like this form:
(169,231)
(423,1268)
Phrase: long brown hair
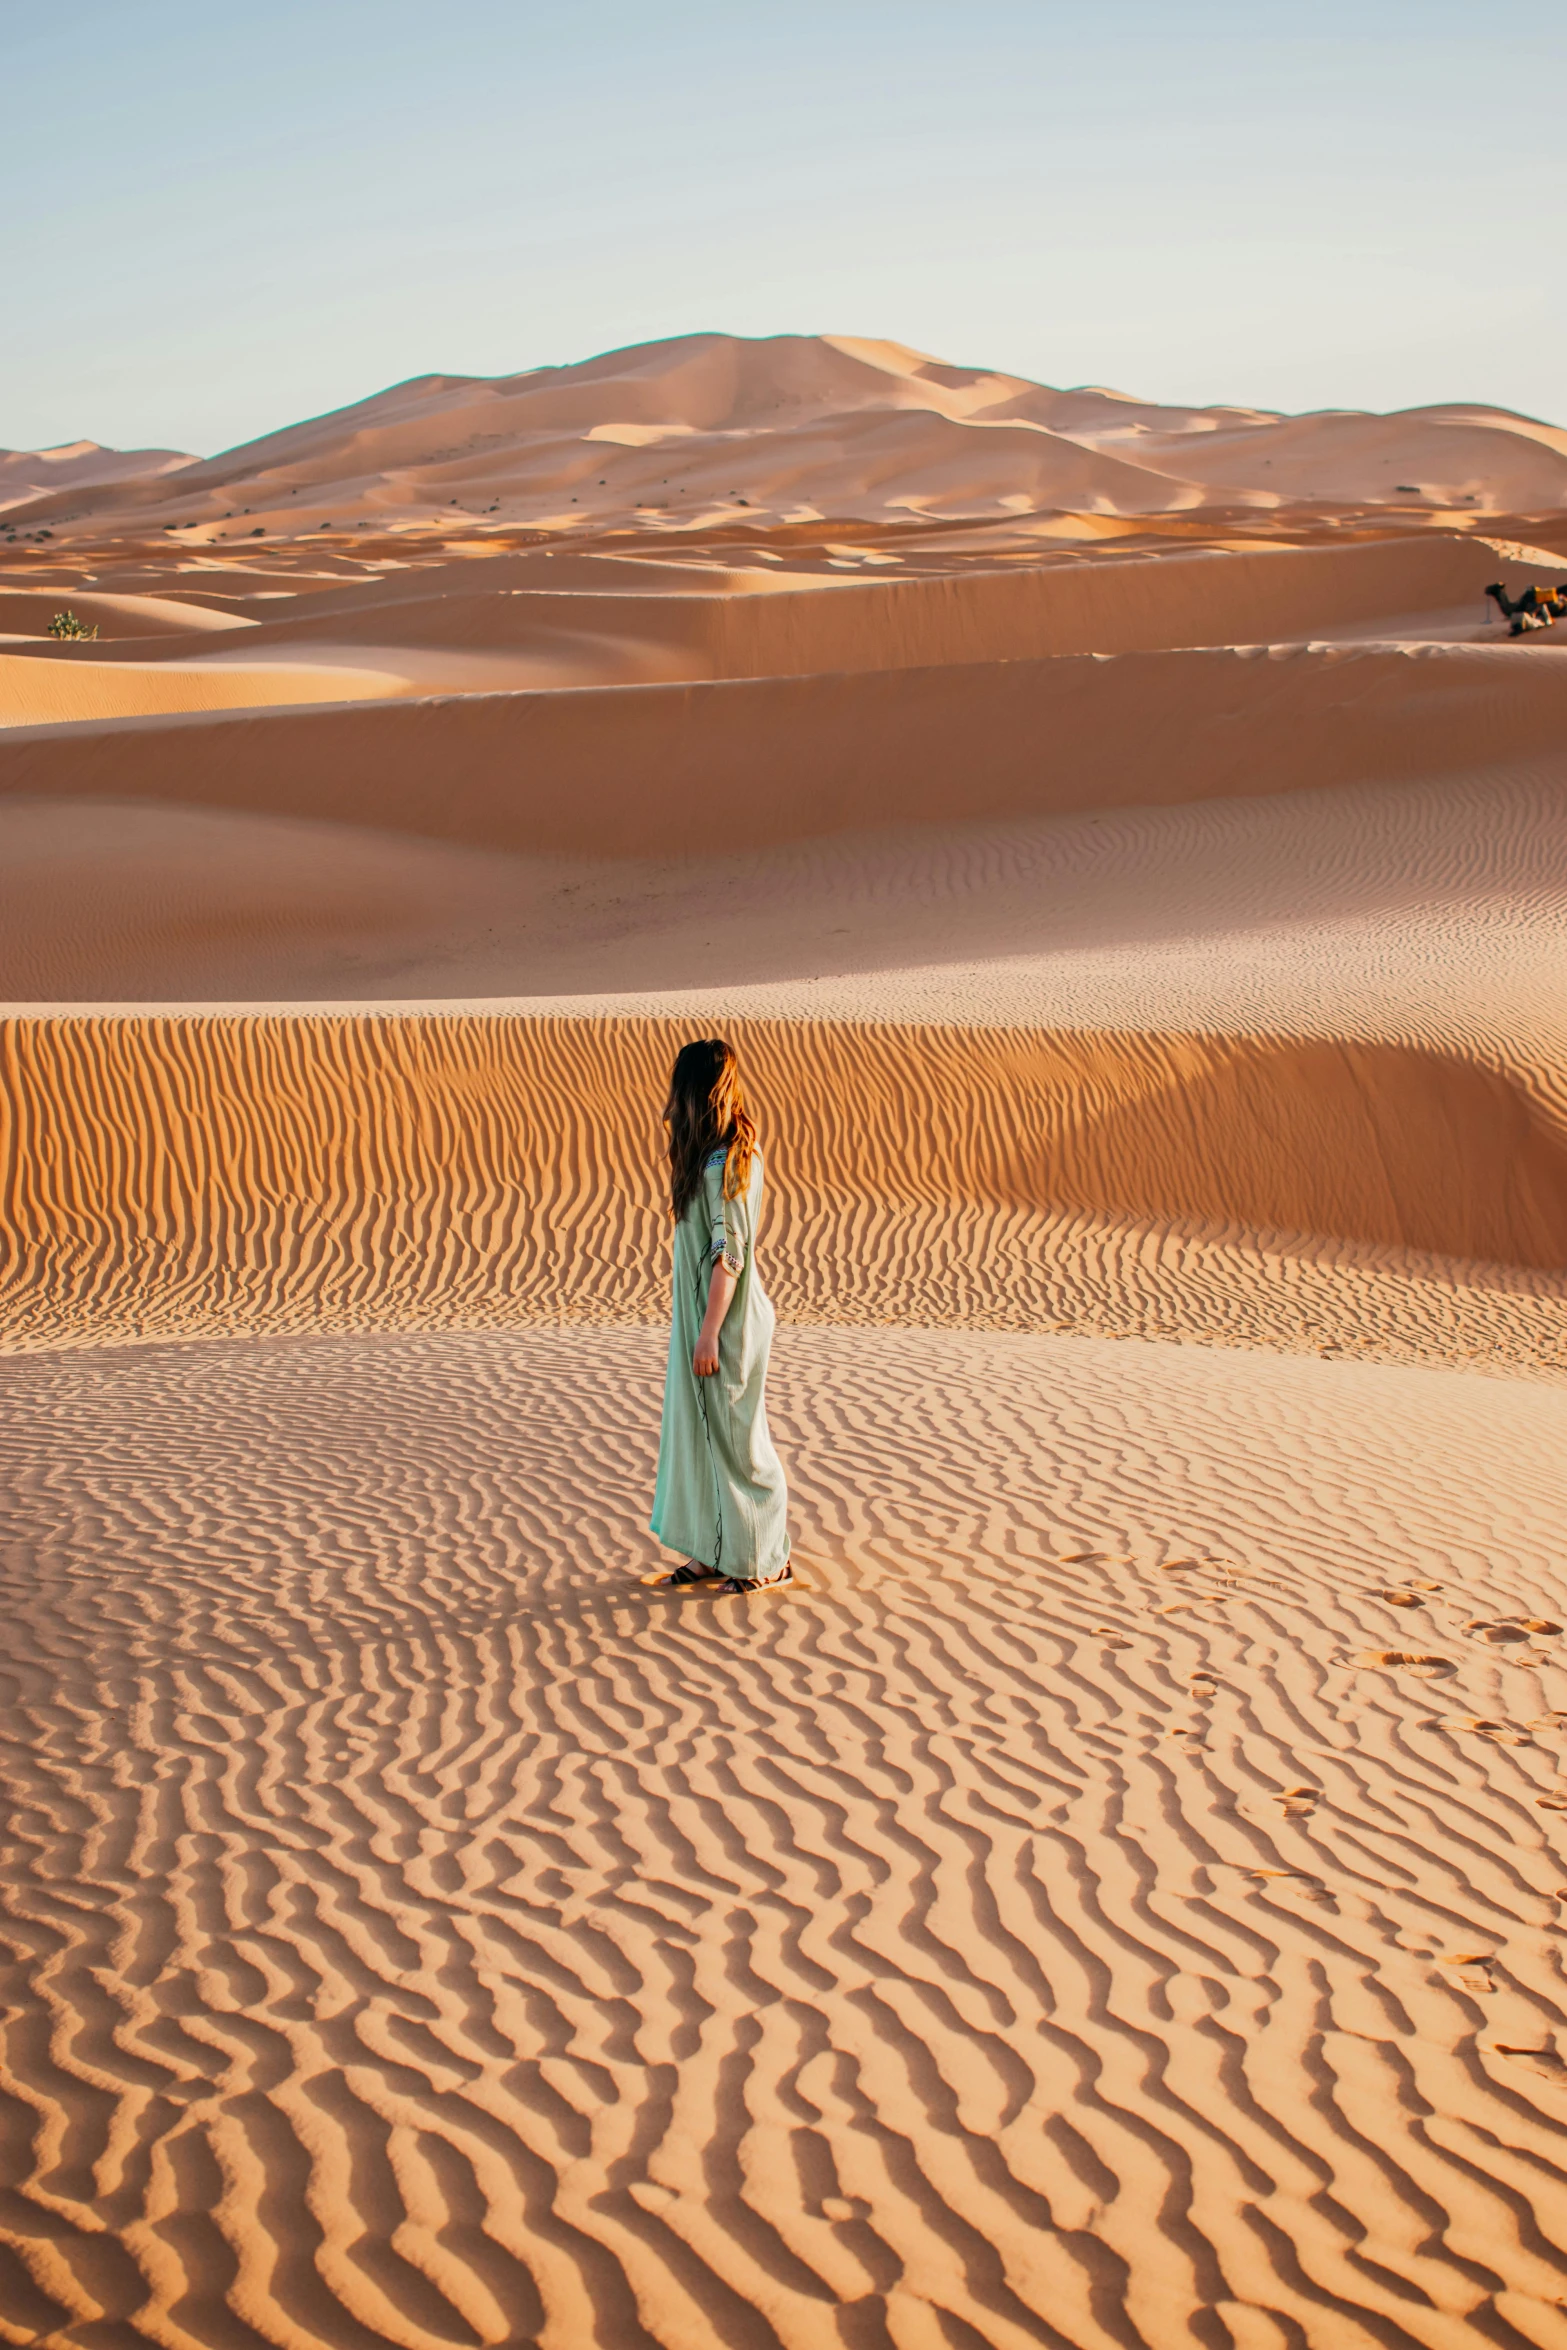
(707,1111)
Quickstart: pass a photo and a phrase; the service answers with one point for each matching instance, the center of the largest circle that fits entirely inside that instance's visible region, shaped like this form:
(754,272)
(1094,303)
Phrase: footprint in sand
(1301,1881)
(1469,1969)
(1544,2061)
(1409,1660)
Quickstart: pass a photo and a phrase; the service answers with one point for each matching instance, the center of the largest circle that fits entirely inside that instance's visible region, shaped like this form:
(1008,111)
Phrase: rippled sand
(1121,1883)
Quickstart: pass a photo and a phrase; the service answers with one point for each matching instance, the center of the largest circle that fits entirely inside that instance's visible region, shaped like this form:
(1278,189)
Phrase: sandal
(734,1585)
(692,1572)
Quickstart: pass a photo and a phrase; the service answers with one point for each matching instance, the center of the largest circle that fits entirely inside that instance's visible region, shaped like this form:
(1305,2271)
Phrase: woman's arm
(720,1296)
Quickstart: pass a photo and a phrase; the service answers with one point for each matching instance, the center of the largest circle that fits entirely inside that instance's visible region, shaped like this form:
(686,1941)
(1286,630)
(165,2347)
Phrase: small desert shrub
(66,624)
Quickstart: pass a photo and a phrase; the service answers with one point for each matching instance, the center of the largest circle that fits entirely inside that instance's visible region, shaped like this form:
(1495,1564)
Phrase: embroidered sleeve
(731,1234)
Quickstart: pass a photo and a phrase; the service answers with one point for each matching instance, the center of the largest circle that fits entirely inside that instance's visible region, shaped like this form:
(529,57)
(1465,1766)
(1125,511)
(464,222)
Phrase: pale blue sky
(222,218)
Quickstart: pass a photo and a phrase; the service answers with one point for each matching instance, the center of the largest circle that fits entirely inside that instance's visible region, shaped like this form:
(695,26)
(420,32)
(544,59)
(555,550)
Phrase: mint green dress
(721,1496)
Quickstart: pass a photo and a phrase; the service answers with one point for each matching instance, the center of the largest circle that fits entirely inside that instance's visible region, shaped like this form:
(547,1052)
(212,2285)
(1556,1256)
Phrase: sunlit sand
(1115,1894)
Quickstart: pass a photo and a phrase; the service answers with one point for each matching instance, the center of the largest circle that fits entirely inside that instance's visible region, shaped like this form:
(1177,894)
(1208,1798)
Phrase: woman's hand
(704,1359)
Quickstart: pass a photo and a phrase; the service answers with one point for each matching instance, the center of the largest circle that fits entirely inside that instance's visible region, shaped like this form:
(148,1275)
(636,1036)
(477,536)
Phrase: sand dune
(39,693)
(1428,912)
(1116,1898)
(1112,1899)
(751,622)
(176,1175)
(28,475)
(25,615)
(793,427)
(543,620)
(644,770)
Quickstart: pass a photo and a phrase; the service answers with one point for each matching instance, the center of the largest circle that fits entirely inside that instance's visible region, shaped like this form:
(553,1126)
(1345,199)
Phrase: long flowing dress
(721,1496)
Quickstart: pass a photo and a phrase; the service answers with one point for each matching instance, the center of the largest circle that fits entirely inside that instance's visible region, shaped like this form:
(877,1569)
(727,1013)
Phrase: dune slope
(670,769)
(174,1176)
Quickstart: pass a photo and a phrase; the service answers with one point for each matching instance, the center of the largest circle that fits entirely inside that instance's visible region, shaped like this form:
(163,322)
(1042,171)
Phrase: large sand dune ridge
(794,427)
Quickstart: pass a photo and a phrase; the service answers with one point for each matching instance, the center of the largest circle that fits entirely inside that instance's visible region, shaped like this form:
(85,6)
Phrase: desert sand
(1119,1895)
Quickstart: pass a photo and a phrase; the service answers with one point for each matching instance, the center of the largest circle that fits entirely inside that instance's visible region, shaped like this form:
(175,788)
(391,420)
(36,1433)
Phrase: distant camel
(1535,608)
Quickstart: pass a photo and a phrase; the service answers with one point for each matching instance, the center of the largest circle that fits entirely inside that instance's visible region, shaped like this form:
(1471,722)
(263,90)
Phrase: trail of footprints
(1043,1926)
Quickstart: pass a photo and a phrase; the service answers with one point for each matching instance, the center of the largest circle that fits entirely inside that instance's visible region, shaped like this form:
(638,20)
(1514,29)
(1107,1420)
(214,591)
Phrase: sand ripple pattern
(1115,1900)
(168,1176)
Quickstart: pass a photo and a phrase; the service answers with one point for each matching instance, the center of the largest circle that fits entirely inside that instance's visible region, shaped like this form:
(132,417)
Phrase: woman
(721,1496)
